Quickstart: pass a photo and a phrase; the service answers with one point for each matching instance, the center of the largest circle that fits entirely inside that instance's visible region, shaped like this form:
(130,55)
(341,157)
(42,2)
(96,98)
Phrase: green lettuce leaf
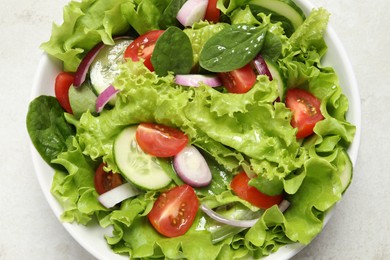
(85,24)
(144,15)
(75,189)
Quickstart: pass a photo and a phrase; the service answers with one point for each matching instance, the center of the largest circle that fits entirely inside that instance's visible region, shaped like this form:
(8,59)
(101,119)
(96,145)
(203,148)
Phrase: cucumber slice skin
(347,172)
(278,76)
(139,168)
(285,11)
(105,67)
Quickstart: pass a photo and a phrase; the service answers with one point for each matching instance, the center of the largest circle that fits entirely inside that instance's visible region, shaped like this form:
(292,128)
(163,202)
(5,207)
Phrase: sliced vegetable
(306,111)
(239,80)
(284,205)
(266,66)
(212,12)
(240,187)
(261,66)
(160,140)
(108,94)
(284,8)
(135,165)
(192,11)
(118,194)
(232,222)
(174,211)
(82,70)
(105,181)
(105,66)
(236,222)
(142,48)
(346,169)
(192,167)
(194,80)
(61,89)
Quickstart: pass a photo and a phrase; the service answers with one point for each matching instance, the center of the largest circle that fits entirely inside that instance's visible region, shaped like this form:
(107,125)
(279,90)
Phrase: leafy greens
(249,131)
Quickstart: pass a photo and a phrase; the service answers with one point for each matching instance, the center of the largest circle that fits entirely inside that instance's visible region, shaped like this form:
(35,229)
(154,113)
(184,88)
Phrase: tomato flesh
(160,140)
(240,80)
(143,47)
(306,111)
(105,181)
(61,89)
(242,189)
(174,211)
(212,12)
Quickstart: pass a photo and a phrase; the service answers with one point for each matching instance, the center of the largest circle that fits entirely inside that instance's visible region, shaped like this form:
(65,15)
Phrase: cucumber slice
(105,66)
(346,170)
(294,16)
(82,99)
(277,75)
(139,168)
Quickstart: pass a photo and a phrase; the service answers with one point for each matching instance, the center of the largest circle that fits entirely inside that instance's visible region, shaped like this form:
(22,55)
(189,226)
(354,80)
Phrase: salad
(196,129)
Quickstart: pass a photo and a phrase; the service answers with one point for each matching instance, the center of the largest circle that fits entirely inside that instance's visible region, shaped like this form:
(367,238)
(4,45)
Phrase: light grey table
(360,226)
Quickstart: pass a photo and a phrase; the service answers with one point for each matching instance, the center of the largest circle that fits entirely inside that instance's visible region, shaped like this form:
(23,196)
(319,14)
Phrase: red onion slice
(218,217)
(194,80)
(105,97)
(191,167)
(192,11)
(261,66)
(238,223)
(82,70)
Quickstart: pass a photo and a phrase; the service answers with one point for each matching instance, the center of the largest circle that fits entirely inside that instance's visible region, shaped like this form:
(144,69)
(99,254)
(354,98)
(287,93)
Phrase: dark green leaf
(168,17)
(47,127)
(172,53)
(272,47)
(232,48)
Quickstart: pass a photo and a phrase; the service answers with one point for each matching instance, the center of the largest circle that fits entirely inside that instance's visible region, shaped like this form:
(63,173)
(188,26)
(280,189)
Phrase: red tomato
(306,111)
(143,47)
(212,12)
(105,181)
(241,188)
(160,140)
(239,80)
(61,89)
(174,211)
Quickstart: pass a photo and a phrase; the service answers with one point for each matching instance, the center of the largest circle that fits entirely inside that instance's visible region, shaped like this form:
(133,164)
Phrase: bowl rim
(286,252)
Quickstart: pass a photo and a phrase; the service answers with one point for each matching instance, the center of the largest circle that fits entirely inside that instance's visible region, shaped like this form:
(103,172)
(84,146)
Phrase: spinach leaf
(47,128)
(272,46)
(172,53)
(232,48)
(168,17)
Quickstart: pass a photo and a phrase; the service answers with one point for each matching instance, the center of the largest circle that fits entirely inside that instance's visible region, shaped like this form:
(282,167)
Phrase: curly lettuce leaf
(75,189)
(85,24)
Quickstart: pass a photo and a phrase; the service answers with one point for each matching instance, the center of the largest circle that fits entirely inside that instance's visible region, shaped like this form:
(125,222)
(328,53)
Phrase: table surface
(359,228)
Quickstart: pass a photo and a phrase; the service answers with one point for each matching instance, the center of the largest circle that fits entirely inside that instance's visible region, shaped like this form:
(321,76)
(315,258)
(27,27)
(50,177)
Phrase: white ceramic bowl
(92,237)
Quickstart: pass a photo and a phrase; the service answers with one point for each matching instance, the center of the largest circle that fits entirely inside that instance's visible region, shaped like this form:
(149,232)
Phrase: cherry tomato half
(306,111)
(61,89)
(174,211)
(143,47)
(105,181)
(212,12)
(241,188)
(160,140)
(239,80)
